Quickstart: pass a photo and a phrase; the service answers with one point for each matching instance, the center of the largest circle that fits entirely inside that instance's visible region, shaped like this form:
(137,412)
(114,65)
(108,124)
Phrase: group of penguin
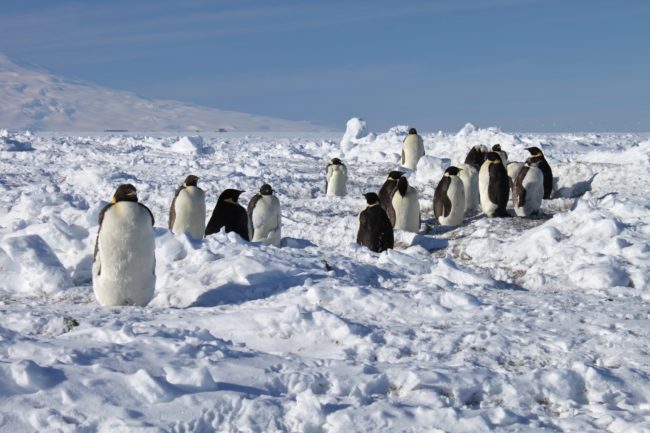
(124,259)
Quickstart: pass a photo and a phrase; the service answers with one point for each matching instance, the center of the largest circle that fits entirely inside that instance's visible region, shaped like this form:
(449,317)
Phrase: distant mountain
(37,100)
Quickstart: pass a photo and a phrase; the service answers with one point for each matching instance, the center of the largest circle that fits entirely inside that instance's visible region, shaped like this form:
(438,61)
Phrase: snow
(504,324)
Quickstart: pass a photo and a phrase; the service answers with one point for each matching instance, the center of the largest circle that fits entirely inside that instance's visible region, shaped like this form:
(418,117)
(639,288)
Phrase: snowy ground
(510,325)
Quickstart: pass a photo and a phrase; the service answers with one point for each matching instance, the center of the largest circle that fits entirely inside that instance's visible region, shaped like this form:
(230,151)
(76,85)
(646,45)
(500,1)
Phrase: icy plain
(506,324)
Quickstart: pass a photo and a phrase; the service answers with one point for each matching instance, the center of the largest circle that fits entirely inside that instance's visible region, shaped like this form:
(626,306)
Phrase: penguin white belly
(266,221)
(469,176)
(123,273)
(336,180)
(456,194)
(483,186)
(413,149)
(407,211)
(513,169)
(533,183)
(190,212)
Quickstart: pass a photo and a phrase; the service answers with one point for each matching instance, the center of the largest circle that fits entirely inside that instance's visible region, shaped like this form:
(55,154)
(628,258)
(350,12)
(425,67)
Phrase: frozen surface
(513,325)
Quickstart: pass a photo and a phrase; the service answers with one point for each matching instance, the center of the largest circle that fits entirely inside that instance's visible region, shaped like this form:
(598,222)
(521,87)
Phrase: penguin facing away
(230,214)
(476,156)
(337,177)
(528,189)
(449,198)
(412,149)
(124,258)
(513,170)
(187,212)
(536,154)
(406,206)
(502,154)
(469,176)
(494,186)
(375,229)
(264,220)
(386,194)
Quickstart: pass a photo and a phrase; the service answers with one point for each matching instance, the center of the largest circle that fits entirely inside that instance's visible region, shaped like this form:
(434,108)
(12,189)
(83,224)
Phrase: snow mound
(15,142)
(355,129)
(188,144)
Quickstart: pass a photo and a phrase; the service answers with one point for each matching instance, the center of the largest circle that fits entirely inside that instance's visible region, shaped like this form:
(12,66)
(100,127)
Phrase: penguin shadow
(576,190)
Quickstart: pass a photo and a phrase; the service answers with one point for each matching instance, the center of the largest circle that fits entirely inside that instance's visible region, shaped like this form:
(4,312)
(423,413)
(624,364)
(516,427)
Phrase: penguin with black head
(406,206)
(528,189)
(502,154)
(264,220)
(187,212)
(476,156)
(230,214)
(449,198)
(412,149)
(375,229)
(386,193)
(124,258)
(336,178)
(494,186)
(537,156)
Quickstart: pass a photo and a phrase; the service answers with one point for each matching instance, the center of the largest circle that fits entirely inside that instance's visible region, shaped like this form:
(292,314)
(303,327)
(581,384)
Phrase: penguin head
(190,180)
(402,185)
(230,195)
(125,192)
(496,148)
(535,151)
(371,198)
(412,131)
(394,175)
(493,157)
(452,171)
(266,189)
(335,161)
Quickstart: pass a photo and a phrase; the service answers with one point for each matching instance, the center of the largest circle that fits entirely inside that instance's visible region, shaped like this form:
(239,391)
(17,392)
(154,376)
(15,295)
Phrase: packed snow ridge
(501,324)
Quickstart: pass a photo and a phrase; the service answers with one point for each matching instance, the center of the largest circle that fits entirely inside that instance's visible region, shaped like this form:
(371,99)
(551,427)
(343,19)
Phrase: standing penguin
(449,198)
(494,186)
(476,156)
(528,189)
(187,212)
(337,176)
(406,206)
(537,155)
(124,258)
(469,176)
(412,149)
(264,221)
(502,154)
(229,214)
(386,193)
(375,229)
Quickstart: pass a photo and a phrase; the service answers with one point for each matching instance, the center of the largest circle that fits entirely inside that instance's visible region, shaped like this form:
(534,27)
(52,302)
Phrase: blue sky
(521,65)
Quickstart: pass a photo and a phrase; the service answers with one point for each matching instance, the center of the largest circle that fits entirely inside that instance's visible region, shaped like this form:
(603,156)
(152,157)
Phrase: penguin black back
(375,229)
(499,186)
(386,193)
(476,157)
(441,201)
(537,156)
(230,214)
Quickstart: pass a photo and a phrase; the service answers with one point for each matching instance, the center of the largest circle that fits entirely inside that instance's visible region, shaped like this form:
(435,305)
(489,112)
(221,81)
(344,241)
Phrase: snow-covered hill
(37,100)
(506,324)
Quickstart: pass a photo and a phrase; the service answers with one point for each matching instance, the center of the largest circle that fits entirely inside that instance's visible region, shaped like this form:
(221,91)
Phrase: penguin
(229,214)
(536,153)
(187,212)
(513,169)
(124,258)
(337,177)
(375,229)
(412,149)
(476,156)
(528,189)
(494,187)
(502,154)
(469,176)
(264,220)
(449,198)
(406,206)
(386,194)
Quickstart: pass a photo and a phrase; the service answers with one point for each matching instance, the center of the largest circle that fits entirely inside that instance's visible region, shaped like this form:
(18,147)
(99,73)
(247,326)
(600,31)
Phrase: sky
(520,65)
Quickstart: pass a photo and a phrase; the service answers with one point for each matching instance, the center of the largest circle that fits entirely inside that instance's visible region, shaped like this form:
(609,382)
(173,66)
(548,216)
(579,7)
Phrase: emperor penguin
(264,220)
(528,189)
(494,187)
(502,154)
(513,170)
(449,198)
(537,155)
(476,156)
(337,177)
(124,259)
(230,214)
(386,193)
(406,206)
(187,212)
(412,149)
(469,176)
(375,229)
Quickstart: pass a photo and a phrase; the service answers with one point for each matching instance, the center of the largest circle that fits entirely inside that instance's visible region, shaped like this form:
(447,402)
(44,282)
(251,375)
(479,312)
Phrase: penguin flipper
(150,214)
(403,157)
